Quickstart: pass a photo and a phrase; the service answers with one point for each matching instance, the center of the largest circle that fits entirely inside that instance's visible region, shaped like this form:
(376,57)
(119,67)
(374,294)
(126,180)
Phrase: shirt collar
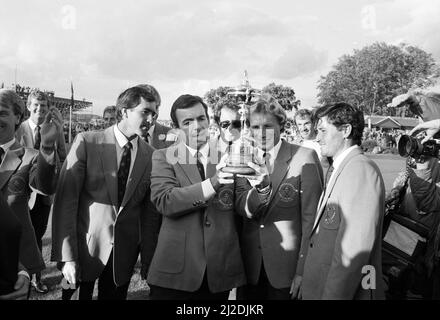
(338,160)
(273,152)
(7,145)
(204,150)
(121,138)
(151,130)
(32,124)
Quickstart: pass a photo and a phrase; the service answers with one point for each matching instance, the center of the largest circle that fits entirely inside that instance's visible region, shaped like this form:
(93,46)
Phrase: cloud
(412,21)
(299,60)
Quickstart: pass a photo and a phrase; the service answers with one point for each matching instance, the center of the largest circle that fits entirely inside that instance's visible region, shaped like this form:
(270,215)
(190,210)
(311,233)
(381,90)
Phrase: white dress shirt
(207,188)
(33,127)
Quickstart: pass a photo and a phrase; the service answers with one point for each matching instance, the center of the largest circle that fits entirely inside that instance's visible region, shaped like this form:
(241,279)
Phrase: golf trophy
(241,152)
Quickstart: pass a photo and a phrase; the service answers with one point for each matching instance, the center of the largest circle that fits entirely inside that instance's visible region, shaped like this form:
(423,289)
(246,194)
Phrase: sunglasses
(236,124)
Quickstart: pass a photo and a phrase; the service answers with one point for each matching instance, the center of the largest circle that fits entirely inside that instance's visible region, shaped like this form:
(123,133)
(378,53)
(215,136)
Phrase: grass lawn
(390,165)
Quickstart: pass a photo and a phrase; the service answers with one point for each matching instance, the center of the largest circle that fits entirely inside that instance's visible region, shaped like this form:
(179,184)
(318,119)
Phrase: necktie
(328,175)
(200,166)
(2,153)
(124,170)
(147,138)
(266,157)
(37,138)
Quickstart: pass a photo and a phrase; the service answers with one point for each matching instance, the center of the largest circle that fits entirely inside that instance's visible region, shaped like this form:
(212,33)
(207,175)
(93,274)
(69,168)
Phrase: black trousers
(202,294)
(263,290)
(107,289)
(40,217)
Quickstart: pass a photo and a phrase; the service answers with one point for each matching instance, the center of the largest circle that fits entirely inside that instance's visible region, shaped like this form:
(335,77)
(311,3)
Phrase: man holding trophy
(279,204)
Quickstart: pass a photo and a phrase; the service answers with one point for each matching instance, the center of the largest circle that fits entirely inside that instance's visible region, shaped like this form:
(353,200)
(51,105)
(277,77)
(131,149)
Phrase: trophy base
(239,170)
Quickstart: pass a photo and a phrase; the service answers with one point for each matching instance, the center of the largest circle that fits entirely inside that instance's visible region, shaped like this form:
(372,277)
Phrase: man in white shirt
(103,203)
(279,205)
(29,136)
(198,252)
(305,125)
(344,256)
(26,170)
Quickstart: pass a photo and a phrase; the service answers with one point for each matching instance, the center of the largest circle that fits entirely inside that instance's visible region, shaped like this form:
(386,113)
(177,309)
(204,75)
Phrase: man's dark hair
(186,101)
(109,109)
(153,91)
(131,98)
(342,113)
(224,105)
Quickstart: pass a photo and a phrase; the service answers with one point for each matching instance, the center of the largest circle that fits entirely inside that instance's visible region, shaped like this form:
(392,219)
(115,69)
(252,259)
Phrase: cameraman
(420,202)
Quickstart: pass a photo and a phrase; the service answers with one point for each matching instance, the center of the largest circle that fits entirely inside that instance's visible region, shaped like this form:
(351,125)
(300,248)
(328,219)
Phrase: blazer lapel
(188,164)
(281,165)
(10,163)
(28,136)
(137,172)
(109,164)
(331,185)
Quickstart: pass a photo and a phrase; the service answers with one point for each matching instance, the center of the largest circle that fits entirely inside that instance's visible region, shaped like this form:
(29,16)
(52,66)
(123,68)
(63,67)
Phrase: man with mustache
(103,201)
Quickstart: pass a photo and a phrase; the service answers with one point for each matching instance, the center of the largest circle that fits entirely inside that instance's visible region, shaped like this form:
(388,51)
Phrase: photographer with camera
(413,220)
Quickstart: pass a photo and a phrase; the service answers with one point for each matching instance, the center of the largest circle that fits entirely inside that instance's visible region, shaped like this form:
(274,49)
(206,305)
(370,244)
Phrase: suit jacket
(278,235)
(347,233)
(10,233)
(25,137)
(21,169)
(195,236)
(159,137)
(86,221)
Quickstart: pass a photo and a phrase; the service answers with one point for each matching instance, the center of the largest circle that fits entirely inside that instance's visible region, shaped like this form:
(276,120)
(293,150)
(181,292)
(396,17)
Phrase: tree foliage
(372,76)
(216,98)
(284,95)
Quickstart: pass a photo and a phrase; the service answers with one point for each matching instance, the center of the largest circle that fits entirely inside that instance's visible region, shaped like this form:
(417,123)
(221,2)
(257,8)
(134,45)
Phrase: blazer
(25,137)
(86,221)
(10,233)
(23,169)
(347,235)
(278,234)
(196,236)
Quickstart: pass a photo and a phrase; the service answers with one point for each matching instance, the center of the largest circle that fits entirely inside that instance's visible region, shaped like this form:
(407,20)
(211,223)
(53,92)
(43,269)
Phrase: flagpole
(70,112)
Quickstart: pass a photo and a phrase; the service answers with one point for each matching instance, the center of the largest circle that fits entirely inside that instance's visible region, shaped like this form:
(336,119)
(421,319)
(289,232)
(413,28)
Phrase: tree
(284,95)
(372,76)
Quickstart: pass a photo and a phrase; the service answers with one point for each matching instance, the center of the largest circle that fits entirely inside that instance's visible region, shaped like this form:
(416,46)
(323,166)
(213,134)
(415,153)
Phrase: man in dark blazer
(344,256)
(28,135)
(198,253)
(24,170)
(103,200)
(279,207)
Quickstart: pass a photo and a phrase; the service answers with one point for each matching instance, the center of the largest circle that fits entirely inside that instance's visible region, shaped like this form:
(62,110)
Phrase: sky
(183,46)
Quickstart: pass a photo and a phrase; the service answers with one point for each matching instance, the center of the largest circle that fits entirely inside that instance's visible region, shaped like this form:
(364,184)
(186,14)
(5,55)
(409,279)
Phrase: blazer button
(207,223)
(262,226)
